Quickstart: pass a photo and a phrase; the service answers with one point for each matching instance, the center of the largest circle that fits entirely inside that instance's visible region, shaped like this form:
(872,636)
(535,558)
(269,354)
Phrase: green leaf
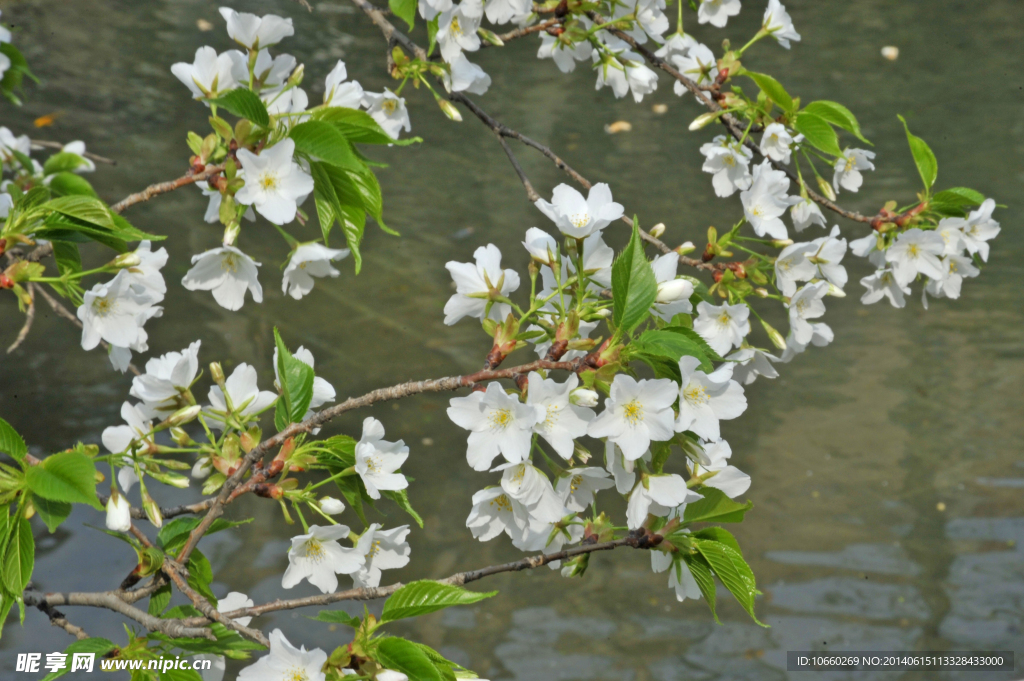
(52,513)
(12,443)
(159,600)
(6,603)
(818,132)
(245,104)
(324,141)
(62,162)
(401,497)
(673,345)
(406,657)
(68,476)
(404,10)
(200,575)
(925,160)
(337,617)
(65,184)
(432,27)
(327,204)
(368,190)
(15,73)
(716,507)
(68,257)
(229,642)
(20,557)
(85,208)
(98,646)
(734,573)
(296,379)
(353,224)
(720,535)
(359,127)
(697,339)
(701,572)
(634,286)
(772,89)
(836,114)
(960,196)
(423,597)
(174,533)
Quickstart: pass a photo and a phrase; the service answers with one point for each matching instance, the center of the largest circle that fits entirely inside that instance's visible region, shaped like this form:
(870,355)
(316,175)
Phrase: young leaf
(634,286)
(404,10)
(836,114)
(68,477)
(423,597)
(773,89)
(672,345)
(245,104)
(174,533)
(12,443)
(327,205)
(401,497)
(732,571)
(323,140)
(353,224)
(818,132)
(159,601)
(701,572)
(359,128)
(716,507)
(66,184)
(98,646)
(200,575)
(20,557)
(720,535)
(296,378)
(960,196)
(406,657)
(925,160)
(53,513)
(337,617)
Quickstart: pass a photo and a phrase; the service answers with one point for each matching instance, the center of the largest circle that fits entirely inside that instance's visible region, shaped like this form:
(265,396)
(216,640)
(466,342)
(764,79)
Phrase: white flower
(597,262)
(766,201)
(273,182)
(475,282)
(527,485)
(717,12)
(77,147)
(213,207)
(978,228)
(308,261)
(166,377)
(777,22)
(848,167)
(115,312)
(228,273)
(583,397)
(564,55)
(706,399)
(822,335)
(542,246)
(495,512)
(868,247)
(579,485)
(498,424)
(679,577)
(319,557)
(388,109)
(636,412)
(749,363)
(722,326)
(549,538)
(254,32)
(698,64)
(331,506)
(9,144)
(956,269)
(145,277)
(6,202)
(286,662)
(673,294)
(119,512)
(677,43)
(884,283)
(383,550)
(431,8)
(209,75)
(286,100)
(804,305)
(806,213)
(543,343)
(776,142)
(624,71)
(119,439)
(247,400)
(621,468)
(952,236)
(456,29)
(650,17)
(466,76)
(504,11)
(916,252)
(657,494)
(729,165)
(577,217)
(560,422)
(377,460)
(829,252)
(792,266)
(642,80)
(730,480)
(268,72)
(339,93)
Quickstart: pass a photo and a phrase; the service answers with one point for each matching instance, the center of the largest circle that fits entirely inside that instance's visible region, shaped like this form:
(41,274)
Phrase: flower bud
(172,479)
(762,292)
(295,79)
(151,559)
(583,397)
(673,290)
(184,415)
(774,335)
(119,512)
(580,452)
(125,260)
(782,243)
(657,230)
(606,312)
(216,373)
(577,566)
(152,509)
(202,469)
(250,438)
(835,291)
(180,437)
(449,110)
(490,37)
(331,506)
(826,189)
(704,119)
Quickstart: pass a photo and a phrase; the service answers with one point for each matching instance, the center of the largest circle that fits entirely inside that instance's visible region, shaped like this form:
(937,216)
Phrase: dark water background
(887,468)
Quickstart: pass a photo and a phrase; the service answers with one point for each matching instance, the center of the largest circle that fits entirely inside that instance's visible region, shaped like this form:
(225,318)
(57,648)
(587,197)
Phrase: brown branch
(174,570)
(47,144)
(520,32)
(111,601)
(164,187)
(58,619)
(30,315)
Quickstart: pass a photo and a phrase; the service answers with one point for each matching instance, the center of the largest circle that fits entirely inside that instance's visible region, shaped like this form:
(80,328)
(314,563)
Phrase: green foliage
(52,513)
(68,476)
(662,349)
(200,575)
(717,507)
(423,597)
(66,184)
(407,657)
(360,128)
(229,643)
(324,141)
(159,601)
(401,497)
(772,89)
(338,617)
(99,646)
(245,104)
(924,159)
(11,443)
(63,161)
(955,201)
(818,132)
(15,74)
(174,533)
(734,573)
(837,115)
(296,378)
(633,285)
(404,10)
(701,571)
(19,558)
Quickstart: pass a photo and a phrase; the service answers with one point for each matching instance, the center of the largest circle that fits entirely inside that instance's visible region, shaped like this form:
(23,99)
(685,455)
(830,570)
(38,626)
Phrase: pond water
(887,468)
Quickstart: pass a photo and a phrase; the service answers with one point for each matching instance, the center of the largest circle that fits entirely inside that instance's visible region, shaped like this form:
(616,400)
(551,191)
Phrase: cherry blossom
(318,557)
(228,273)
(636,412)
(476,284)
(498,424)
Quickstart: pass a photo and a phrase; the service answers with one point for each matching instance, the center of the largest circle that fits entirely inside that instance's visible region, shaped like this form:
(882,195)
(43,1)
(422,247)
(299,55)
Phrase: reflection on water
(887,468)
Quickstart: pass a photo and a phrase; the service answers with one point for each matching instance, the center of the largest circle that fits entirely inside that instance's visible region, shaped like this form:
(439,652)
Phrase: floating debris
(660,108)
(891,53)
(617,127)
(204,25)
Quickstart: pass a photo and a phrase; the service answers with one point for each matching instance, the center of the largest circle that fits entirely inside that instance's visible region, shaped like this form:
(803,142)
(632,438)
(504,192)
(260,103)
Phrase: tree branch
(58,619)
(111,601)
(47,144)
(164,187)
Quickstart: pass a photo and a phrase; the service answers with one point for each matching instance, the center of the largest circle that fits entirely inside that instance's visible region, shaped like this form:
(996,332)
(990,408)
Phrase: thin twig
(164,187)
(47,144)
(111,601)
(173,570)
(58,619)
(30,315)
